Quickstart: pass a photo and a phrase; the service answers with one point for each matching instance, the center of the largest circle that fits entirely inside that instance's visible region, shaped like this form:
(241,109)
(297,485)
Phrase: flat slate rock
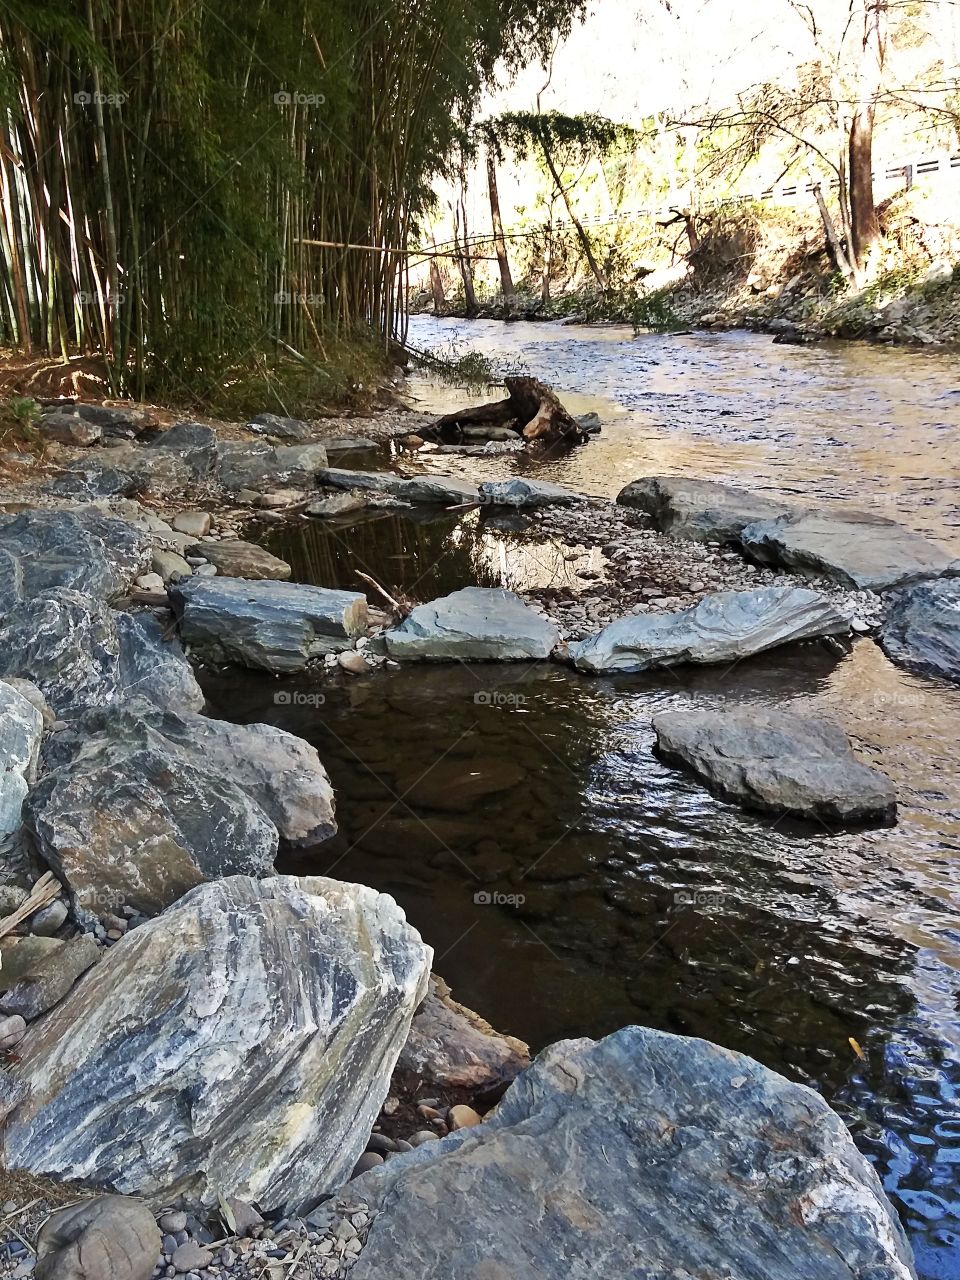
(279,626)
(721,628)
(476,624)
(240,1044)
(856,549)
(424,488)
(922,628)
(777,762)
(259,467)
(235,558)
(644,1156)
(700,510)
(519,492)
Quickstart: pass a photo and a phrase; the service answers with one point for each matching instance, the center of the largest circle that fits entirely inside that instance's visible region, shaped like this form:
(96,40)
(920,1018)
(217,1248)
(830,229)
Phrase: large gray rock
(240,1044)
(235,558)
(644,1155)
(423,488)
(778,762)
(854,548)
(519,492)
(276,769)
(280,626)
(259,467)
(81,653)
(476,624)
(192,443)
(106,1238)
(83,550)
(21,728)
(701,510)
(721,628)
(922,628)
(138,807)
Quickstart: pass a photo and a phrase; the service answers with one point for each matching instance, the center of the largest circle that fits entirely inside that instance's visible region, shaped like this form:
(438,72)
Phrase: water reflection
(423,554)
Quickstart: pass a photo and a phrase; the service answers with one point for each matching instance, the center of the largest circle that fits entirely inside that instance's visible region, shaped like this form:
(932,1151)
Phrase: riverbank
(110,535)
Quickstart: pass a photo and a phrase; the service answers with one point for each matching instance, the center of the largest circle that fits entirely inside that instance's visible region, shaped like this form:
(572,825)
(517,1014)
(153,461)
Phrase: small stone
(463,1117)
(190,1257)
(48,919)
(353,662)
(280,498)
(206,570)
(245,1217)
(196,523)
(428,1113)
(421,1136)
(369,1160)
(170,566)
(380,1142)
(149,582)
(12,1031)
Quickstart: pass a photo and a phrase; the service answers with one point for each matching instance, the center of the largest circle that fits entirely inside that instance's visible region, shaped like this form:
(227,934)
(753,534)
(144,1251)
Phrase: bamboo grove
(168,167)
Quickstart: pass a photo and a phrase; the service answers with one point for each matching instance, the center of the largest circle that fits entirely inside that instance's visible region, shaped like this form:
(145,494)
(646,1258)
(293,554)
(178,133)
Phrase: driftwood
(43,892)
(531,410)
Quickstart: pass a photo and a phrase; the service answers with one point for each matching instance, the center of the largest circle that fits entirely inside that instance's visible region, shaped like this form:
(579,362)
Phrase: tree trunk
(465,265)
(581,232)
(506,279)
(864,226)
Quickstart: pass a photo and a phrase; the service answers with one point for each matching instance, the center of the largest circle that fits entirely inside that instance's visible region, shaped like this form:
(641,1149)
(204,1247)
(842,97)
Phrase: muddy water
(568,880)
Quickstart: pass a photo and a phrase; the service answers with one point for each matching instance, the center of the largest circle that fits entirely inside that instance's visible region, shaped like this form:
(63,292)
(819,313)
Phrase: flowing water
(568,880)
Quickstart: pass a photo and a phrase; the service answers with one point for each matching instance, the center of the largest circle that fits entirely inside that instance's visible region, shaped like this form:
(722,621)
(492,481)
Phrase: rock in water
(701,510)
(241,1044)
(854,548)
(476,624)
(424,488)
(722,627)
(777,762)
(643,1155)
(922,628)
(21,728)
(109,1238)
(280,626)
(80,653)
(518,492)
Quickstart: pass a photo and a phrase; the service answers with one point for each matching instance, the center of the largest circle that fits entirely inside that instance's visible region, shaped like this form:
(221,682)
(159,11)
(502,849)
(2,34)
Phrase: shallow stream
(570,882)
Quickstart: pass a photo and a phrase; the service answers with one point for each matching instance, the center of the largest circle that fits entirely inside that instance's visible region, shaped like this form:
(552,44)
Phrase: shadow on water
(570,882)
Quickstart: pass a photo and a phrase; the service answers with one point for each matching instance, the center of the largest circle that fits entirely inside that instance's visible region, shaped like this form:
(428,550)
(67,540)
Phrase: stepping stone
(526,493)
(701,510)
(476,624)
(922,628)
(854,548)
(721,628)
(777,762)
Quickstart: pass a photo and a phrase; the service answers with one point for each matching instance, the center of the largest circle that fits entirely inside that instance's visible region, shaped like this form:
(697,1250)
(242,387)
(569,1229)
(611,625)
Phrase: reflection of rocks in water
(423,554)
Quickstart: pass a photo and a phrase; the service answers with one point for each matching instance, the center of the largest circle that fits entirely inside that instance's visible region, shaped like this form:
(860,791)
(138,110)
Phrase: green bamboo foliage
(166,164)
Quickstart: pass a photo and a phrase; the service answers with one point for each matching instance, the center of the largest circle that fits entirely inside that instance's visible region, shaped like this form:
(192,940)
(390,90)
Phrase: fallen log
(531,409)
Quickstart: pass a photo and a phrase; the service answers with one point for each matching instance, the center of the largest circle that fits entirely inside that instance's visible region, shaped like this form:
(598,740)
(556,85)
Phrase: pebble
(421,1136)
(196,523)
(369,1160)
(49,919)
(190,1257)
(463,1117)
(353,662)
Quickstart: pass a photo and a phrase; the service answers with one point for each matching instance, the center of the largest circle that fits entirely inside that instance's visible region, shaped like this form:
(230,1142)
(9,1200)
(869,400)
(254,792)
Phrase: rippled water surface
(568,880)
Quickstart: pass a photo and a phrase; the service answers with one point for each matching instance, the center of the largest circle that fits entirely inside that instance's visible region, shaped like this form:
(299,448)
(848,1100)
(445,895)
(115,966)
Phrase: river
(570,882)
